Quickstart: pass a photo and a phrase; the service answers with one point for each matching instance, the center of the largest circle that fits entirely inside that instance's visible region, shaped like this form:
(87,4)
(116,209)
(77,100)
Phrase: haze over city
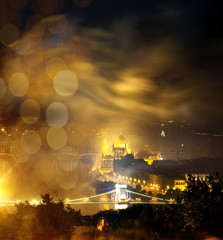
(95,93)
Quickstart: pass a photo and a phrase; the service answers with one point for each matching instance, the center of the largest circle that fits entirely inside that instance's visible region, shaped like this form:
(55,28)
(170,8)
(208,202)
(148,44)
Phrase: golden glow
(67,182)
(34,202)
(19,156)
(128,150)
(117,144)
(44,87)
(106,207)
(46,169)
(18,84)
(67,162)
(150,159)
(5,170)
(107,160)
(57,114)
(51,68)
(4,191)
(56,138)
(30,142)
(30,111)
(105,148)
(54,65)
(101,225)
(65,83)
(120,142)
(180,184)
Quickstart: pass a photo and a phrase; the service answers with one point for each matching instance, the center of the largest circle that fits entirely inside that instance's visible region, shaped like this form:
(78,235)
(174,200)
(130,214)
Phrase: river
(93,208)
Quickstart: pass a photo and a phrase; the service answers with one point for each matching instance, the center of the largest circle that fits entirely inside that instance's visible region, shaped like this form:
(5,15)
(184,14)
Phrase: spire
(105,148)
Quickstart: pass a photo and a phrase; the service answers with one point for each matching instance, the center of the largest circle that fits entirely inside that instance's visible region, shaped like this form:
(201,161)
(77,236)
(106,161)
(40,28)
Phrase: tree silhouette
(138,188)
(202,206)
(53,219)
(46,199)
(48,220)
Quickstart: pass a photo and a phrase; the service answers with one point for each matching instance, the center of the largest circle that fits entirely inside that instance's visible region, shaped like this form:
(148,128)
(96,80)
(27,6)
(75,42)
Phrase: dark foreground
(199,215)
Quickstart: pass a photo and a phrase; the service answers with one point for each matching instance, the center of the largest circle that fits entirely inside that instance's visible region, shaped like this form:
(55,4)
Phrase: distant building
(129,166)
(197,176)
(7,144)
(106,164)
(120,147)
(106,160)
(180,184)
(119,150)
(153,158)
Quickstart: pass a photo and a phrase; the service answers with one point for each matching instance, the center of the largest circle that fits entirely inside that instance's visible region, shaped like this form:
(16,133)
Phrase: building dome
(120,142)
(121,138)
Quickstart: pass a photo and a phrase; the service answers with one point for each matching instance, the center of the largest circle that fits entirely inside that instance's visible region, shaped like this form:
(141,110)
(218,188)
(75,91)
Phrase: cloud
(140,65)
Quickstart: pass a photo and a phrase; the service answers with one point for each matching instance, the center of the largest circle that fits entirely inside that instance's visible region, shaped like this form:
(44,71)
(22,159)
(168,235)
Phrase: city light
(105,105)
(34,202)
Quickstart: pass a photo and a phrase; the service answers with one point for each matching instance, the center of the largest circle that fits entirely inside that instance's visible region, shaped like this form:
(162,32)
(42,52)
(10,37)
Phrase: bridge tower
(120,193)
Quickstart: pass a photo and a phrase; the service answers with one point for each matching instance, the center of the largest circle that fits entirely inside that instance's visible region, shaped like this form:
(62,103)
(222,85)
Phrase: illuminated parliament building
(119,150)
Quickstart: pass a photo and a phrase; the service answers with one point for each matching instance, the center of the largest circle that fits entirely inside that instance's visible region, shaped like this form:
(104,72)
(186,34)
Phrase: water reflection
(90,209)
(121,206)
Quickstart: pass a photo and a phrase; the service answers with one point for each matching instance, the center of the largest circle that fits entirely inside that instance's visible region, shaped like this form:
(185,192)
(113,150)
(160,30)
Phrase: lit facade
(150,159)
(106,164)
(119,150)
(107,160)
(197,176)
(180,184)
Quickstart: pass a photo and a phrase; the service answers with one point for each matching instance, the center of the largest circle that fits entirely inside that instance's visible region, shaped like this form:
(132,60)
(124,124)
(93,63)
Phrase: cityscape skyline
(102,99)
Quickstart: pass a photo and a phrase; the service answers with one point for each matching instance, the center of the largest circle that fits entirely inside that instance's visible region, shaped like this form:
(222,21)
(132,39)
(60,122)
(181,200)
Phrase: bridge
(119,195)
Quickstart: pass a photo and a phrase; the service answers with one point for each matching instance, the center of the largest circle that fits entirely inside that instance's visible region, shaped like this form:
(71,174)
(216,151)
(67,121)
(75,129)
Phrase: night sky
(163,58)
(72,70)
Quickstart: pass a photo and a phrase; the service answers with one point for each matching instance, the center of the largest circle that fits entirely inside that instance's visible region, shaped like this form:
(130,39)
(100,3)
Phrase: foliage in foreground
(201,209)
(202,206)
(48,220)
